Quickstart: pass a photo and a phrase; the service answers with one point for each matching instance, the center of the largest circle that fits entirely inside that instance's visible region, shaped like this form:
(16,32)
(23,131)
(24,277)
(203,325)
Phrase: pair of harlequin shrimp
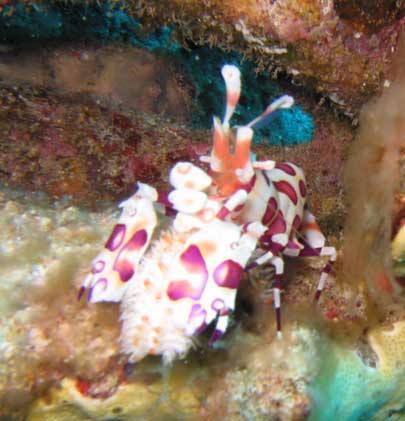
(176,275)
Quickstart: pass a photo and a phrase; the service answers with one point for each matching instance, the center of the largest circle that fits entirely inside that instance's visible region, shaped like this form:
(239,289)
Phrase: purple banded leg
(308,251)
(276,246)
(264,258)
(278,264)
(237,199)
(331,253)
(220,328)
(81,293)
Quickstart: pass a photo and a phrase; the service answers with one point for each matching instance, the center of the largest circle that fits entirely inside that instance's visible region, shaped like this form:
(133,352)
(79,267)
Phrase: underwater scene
(202,210)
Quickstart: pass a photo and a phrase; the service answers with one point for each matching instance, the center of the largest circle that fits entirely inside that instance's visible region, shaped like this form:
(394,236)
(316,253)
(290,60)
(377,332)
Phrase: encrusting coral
(269,379)
(155,397)
(44,333)
(336,47)
(309,40)
(308,375)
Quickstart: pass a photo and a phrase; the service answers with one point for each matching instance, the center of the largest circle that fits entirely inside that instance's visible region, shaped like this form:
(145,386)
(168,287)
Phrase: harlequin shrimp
(177,273)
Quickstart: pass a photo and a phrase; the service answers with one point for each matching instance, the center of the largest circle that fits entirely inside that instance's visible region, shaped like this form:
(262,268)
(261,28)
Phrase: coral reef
(132,77)
(270,380)
(82,149)
(311,375)
(326,46)
(157,83)
(200,65)
(361,17)
(44,332)
(33,325)
(87,148)
(81,123)
(308,375)
(131,401)
(308,40)
(373,179)
(103,21)
(76,68)
(379,379)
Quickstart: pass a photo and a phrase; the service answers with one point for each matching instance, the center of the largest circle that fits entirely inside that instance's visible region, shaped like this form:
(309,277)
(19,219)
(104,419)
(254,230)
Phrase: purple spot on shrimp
(123,263)
(223,213)
(286,188)
(125,268)
(116,237)
(137,241)
(277,226)
(197,312)
(287,168)
(296,223)
(218,304)
(193,260)
(98,266)
(197,275)
(227,274)
(101,284)
(271,211)
(303,188)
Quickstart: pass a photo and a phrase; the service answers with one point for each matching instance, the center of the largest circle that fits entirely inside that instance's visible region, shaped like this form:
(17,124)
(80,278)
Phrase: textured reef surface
(339,48)
(96,96)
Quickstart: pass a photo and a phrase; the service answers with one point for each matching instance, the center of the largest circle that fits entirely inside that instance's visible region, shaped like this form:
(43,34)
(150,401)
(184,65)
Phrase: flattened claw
(116,264)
